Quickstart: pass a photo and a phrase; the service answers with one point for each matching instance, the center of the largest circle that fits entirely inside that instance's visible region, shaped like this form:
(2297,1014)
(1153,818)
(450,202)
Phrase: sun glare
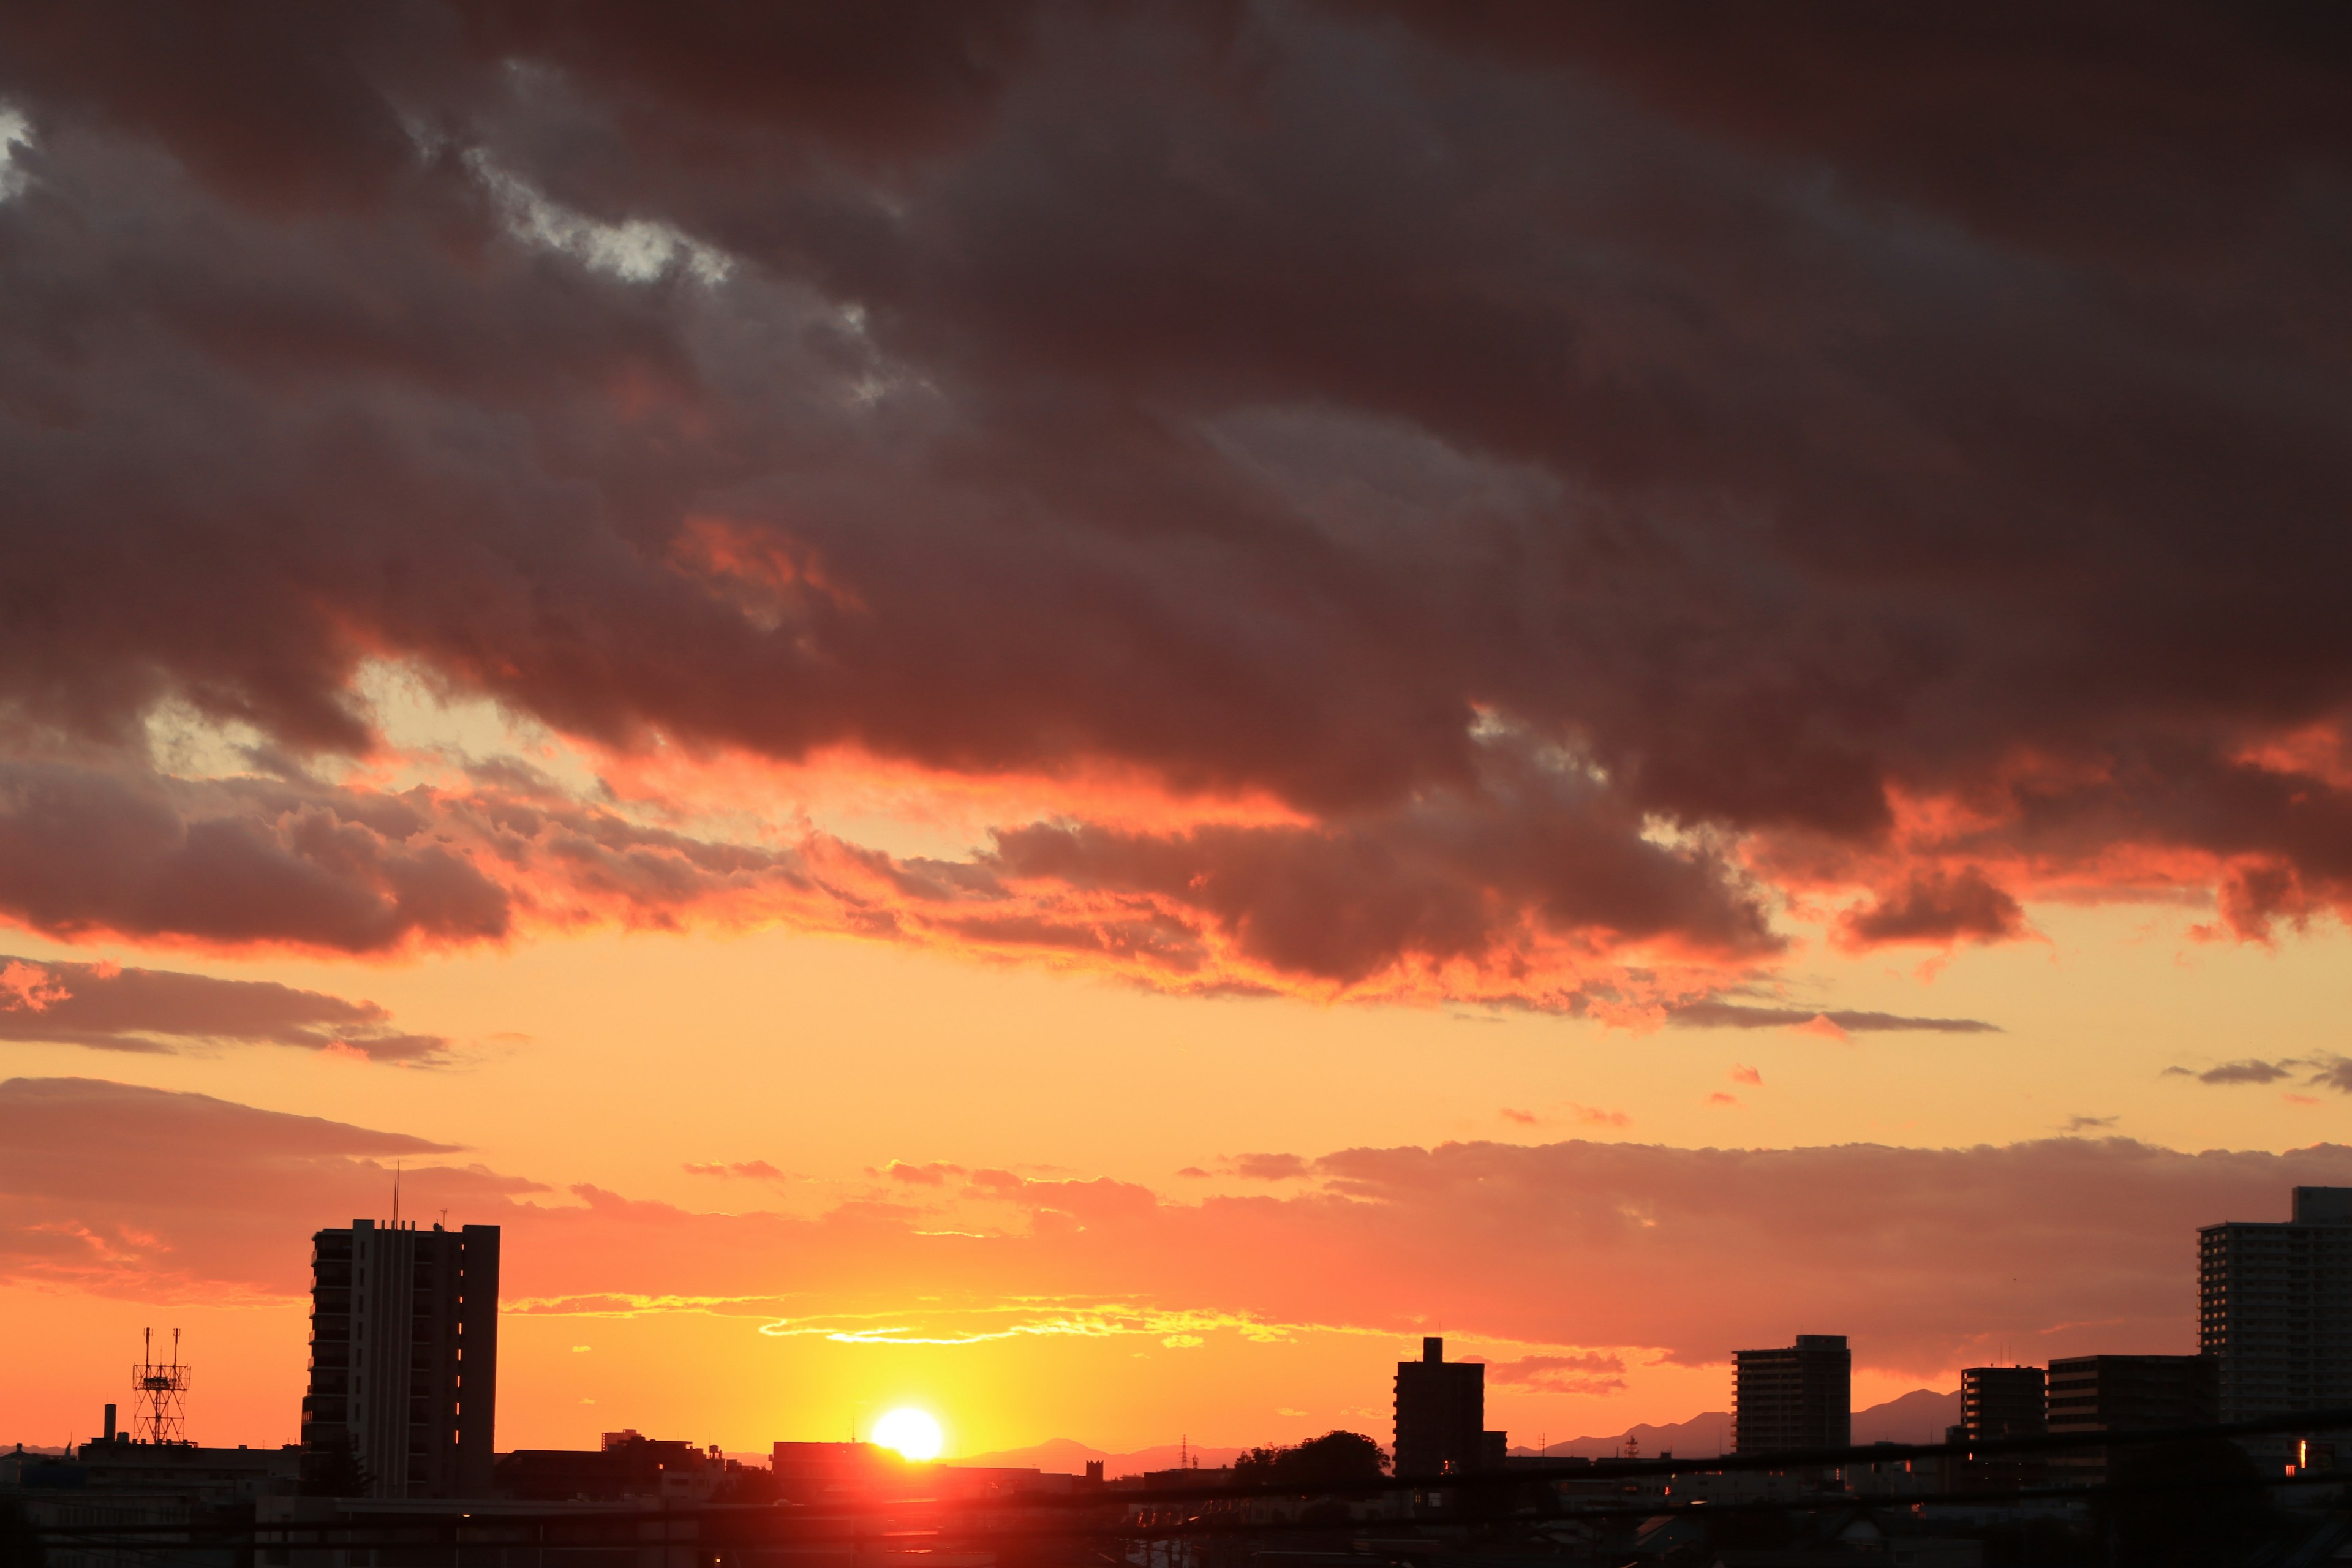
(912,1433)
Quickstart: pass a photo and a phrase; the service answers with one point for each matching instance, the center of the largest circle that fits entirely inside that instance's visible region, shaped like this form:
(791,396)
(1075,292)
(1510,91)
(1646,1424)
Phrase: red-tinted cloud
(116,1009)
(2065,1244)
(1592,1373)
(1934,906)
(1678,547)
(119,1189)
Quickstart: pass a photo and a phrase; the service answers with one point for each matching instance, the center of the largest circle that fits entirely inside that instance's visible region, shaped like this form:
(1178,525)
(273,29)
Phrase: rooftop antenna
(395,1194)
(160,1416)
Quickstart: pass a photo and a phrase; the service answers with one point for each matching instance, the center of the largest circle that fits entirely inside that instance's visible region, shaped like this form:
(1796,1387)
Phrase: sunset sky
(1079,714)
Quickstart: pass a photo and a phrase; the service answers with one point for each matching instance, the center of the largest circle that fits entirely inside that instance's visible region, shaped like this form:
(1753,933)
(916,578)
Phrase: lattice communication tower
(160,1414)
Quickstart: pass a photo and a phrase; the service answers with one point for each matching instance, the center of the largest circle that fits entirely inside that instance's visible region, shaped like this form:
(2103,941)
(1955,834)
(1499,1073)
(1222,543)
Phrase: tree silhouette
(1336,1458)
(333,1470)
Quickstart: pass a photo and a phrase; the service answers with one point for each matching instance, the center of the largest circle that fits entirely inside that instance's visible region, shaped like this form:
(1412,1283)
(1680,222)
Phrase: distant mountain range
(1917,1416)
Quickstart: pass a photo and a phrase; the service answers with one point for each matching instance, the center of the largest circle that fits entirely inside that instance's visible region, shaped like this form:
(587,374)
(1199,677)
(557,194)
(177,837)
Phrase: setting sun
(913,1432)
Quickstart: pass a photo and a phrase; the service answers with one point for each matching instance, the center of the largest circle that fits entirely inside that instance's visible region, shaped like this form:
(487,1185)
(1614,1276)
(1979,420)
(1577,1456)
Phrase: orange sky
(1083,714)
(829,1058)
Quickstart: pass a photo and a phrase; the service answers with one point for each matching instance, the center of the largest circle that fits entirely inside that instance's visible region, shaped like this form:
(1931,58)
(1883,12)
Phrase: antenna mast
(160,1415)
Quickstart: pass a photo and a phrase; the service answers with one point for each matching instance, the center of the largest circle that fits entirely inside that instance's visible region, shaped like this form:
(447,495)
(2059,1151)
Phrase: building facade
(2004,1401)
(1998,1402)
(2276,1312)
(1441,1415)
(1793,1397)
(2125,1394)
(403,1359)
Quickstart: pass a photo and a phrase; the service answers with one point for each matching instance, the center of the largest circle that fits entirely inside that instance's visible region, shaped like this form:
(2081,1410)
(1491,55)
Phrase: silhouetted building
(2004,1401)
(405,1358)
(1998,1402)
(169,1500)
(1441,1415)
(818,1472)
(2123,1393)
(627,1465)
(1797,1397)
(2276,1312)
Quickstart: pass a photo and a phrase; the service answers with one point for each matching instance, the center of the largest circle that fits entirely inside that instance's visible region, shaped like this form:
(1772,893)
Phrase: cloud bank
(1428,501)
(2056,1247)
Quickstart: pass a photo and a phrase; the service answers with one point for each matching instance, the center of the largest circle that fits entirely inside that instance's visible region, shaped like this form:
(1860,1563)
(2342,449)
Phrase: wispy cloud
(1740,1016)
(758,1170)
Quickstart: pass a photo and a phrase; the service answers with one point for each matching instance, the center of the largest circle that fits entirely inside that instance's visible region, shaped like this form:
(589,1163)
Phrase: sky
(1079,715)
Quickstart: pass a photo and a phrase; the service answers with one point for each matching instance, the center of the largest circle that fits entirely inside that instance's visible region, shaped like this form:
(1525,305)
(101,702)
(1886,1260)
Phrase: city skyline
(1086,716)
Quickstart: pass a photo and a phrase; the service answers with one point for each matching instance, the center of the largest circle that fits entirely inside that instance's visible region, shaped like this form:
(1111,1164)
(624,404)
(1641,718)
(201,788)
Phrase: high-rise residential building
(1793,1397)
(1998,1402)
(2276,1312)
(2123,1393)
(2003,1402)
(404,1358)
(1441,1415)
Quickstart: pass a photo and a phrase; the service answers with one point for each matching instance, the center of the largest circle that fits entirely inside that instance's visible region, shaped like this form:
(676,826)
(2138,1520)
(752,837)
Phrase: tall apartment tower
(1998,1402)
(2003,1402)
(1800,1396)
(2275,1312)
(1441,1415)
(404,1356)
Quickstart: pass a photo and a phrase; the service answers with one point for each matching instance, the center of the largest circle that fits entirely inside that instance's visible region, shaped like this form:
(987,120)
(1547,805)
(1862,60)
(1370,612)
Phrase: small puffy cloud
(2075,1124)
(1749,1076)
(1719,1098)
(1521,1118)
(2248,1071)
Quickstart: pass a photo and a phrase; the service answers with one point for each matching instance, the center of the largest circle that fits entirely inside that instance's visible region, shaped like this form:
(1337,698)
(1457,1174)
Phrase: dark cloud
(2248,1071)
(116,1009)
(2334,1073)
(1581,477)
(1742,1015)
(2078,1124)
(1934,907)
